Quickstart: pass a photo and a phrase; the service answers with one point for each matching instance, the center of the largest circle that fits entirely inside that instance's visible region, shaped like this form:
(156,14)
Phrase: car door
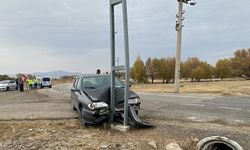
(74,93)
(12,84)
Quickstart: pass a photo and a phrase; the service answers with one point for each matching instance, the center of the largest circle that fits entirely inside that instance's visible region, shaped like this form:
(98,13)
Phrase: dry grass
(229,87)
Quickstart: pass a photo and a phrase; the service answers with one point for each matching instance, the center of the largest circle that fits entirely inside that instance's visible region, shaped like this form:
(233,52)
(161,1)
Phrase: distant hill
(56,74)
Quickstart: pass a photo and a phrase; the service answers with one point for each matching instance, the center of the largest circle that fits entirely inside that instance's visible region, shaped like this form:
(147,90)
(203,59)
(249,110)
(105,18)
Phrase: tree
(5,77)
(167,69)
(223,68)
(195,69)
(163,70)
(241,63)
(138,72)
(207,68)
(152,68)
(198,73)
(188,67)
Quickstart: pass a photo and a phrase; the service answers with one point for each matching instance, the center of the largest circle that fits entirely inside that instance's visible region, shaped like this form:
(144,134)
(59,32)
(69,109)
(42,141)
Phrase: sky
(73,35)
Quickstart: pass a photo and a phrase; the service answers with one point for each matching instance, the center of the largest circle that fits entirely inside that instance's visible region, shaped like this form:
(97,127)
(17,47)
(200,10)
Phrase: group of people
(30,83)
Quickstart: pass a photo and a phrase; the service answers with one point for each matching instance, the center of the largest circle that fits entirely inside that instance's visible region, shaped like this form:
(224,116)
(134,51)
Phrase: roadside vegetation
(5,77)
(193,69)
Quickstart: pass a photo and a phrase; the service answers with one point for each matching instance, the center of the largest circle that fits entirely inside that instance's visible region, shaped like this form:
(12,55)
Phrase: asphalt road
(193,107)
(190,107)
(176,115)
(200,108)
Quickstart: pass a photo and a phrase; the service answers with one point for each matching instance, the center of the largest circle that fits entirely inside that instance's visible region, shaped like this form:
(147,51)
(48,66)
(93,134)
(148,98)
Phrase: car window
(89,83)
(99,82)
(46,79)
(12,81)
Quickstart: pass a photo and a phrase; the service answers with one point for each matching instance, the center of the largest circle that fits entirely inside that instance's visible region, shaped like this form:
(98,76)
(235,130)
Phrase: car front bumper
(95,116)
(3,88)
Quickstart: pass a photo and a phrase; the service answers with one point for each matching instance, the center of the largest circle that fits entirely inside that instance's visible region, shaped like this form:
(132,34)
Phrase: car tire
(7,88)
(137,112)
(42,87)
(50,86)
(81,118)
(72,106)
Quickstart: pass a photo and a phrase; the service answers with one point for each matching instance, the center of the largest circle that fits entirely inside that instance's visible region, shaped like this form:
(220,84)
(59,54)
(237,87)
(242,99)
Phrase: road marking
(176,95)
(199,105)
(239,121)
(192,118)
(157,102)
(231,108)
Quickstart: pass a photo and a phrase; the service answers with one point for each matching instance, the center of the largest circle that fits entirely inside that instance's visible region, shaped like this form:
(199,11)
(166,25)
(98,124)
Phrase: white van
(44,82)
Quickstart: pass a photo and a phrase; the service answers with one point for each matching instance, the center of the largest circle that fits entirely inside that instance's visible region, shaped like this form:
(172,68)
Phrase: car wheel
(41,87)
(82,120)
(137,112)
(50,86)
(7,88)
(72,105)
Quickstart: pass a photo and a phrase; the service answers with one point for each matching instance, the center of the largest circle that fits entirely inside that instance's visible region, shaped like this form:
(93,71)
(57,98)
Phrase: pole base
(121,128)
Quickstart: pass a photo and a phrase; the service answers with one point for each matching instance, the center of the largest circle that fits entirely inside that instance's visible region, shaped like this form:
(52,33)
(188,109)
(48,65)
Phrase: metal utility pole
(178,28)
(178,47)
(114,68)
(126,50)
(112,56)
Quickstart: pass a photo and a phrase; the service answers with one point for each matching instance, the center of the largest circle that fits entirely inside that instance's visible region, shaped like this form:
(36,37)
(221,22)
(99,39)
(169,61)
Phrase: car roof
(94,75)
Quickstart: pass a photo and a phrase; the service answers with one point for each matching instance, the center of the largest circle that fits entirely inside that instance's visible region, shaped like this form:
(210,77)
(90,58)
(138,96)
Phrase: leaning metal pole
(127,68)
(178,47)
(112,53)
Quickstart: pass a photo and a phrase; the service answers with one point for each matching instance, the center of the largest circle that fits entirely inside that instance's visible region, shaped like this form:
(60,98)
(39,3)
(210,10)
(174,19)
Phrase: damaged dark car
(90,96)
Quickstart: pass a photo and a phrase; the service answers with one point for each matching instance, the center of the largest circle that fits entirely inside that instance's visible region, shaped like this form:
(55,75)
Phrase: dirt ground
(228,87)
(32,120)
(70,134)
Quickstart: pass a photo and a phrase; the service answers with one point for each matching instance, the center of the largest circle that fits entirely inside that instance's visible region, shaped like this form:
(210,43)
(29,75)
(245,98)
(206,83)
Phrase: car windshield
(4,82)
(46,79)
(96,82)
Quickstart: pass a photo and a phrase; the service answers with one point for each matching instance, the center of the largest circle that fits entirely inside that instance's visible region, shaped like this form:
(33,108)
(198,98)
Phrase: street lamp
(178,28)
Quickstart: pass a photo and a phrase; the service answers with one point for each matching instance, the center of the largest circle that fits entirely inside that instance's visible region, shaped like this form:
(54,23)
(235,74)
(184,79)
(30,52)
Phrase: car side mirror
(76,90)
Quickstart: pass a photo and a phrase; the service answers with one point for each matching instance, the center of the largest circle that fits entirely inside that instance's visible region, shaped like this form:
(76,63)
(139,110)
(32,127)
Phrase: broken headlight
(97,105)
(134,100)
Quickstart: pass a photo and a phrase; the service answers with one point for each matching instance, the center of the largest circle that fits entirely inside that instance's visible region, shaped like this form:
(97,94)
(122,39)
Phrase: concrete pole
(178,48)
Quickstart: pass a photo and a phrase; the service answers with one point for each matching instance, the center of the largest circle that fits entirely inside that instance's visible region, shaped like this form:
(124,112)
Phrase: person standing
(20,85)
(30,83)
(35,83)
(17,84)
(98,71)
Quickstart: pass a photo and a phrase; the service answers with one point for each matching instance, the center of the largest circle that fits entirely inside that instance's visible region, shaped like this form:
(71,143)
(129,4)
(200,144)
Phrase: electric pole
(178,47)
(178,28)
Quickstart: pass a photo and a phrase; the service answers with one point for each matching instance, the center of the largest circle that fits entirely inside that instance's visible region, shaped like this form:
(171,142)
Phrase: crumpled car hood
(103,94)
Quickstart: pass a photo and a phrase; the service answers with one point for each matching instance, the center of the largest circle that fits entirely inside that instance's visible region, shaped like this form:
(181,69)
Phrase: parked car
(7,85)
(90,96)
(44,82)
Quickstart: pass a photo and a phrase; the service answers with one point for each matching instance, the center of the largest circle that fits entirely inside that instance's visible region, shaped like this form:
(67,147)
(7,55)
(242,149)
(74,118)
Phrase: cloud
(74,35)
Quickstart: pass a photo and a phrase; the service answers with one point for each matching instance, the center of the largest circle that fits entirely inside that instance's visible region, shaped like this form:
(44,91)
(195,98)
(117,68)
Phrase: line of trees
(5,77)
(193,68)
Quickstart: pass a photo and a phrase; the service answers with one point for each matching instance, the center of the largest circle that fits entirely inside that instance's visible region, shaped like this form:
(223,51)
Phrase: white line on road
(199,105)
(231,108)
(176,95)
